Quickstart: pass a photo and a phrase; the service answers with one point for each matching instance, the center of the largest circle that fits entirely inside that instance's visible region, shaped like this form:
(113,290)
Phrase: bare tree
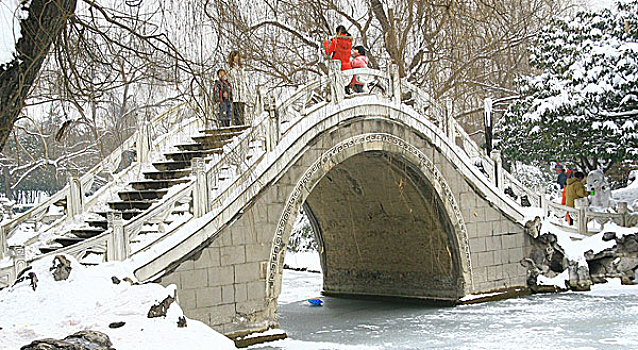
(465,50)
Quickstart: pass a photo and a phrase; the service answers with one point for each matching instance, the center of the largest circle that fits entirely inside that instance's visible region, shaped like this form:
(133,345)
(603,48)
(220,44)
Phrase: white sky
(8,22)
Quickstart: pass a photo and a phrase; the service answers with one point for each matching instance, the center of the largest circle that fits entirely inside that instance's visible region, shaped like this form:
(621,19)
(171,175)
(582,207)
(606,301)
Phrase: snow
(89,300)
(10,14)
(307,260)
(575,245)
(558,281)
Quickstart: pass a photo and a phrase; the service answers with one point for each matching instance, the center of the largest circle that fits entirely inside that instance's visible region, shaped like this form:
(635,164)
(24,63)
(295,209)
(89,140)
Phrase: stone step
(167,174)
(126,214)
(141,195)
(68,241)
(103,224)
(226,129)
(172,165)
(187,156)
(156,184)
(201,146)
(218,140)
(134,204)
(87,232)
(49,249)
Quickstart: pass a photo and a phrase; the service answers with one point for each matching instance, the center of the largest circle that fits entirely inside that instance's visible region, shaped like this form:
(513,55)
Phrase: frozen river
(605,318)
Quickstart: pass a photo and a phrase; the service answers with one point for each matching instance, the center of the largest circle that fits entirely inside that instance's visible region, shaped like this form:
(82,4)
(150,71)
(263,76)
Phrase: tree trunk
(46,20)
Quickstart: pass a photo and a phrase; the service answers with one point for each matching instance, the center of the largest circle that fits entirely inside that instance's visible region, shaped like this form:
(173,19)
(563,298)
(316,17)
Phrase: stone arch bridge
(388,178)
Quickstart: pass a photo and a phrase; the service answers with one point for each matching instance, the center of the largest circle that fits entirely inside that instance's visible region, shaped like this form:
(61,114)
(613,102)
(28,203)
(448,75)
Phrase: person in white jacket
(241,89)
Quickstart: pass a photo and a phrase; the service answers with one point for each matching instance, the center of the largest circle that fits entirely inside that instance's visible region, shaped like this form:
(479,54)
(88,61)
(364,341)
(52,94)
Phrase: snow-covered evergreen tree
(583,107)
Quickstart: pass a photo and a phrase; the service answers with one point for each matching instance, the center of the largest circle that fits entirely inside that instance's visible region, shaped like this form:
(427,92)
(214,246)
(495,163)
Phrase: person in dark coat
(562,176)
(340,47)
(223,97)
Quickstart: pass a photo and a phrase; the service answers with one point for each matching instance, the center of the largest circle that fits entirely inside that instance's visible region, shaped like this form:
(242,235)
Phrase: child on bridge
(223,97)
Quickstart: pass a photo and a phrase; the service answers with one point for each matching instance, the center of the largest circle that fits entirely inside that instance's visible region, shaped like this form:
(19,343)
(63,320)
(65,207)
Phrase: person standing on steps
(240,88)
(223,97)
(340,47)
(360,61)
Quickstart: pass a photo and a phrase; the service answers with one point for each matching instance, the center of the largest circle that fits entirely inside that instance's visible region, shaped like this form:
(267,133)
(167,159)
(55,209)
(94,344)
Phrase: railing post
(19,261)
(262,103)
(498,168)
(3,243)
(336,82)
(142,142)
(449,120)
(543,204)
(622,209)
(74,199)
(581,205)
(200,192)
(117,246)
(487,106)
(273,124)
(396,83)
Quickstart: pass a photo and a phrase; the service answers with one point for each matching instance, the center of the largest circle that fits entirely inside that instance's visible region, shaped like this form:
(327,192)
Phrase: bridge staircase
(140,195)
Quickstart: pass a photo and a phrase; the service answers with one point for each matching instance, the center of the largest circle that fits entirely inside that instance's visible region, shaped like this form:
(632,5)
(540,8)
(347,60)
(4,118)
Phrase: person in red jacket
(340,47)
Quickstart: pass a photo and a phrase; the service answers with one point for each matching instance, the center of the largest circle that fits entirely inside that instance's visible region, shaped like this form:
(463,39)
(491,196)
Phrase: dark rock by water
(159,310)
(61,268)
(83,340)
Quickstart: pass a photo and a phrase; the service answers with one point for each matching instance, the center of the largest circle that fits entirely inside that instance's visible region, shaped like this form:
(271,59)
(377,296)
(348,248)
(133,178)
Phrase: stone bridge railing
(214,184)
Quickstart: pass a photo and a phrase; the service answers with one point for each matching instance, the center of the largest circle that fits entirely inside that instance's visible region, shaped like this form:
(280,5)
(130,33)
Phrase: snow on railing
(587,221)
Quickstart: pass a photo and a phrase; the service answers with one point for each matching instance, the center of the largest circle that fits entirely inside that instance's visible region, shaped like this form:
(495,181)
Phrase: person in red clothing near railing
(340,47)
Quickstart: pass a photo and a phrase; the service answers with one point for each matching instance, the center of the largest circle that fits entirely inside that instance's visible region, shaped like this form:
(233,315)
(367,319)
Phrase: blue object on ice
(315,302)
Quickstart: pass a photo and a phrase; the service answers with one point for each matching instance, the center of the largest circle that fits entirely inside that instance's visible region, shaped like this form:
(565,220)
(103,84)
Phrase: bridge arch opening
(383,231)
(385,226)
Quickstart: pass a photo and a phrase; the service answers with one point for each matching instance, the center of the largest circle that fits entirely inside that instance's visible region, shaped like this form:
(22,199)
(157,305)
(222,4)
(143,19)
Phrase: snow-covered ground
(89,300)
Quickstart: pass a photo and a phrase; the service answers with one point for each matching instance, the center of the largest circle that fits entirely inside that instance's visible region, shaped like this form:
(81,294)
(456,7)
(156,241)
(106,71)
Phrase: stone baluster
(581,205)
(3,243)
(396,83)
(449,127)
(74,199)
(262,101)
(142,142)
(200,191)
(624,210)
(117,246)
(498,168)
(18,256)
(273,125)
(336,82)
